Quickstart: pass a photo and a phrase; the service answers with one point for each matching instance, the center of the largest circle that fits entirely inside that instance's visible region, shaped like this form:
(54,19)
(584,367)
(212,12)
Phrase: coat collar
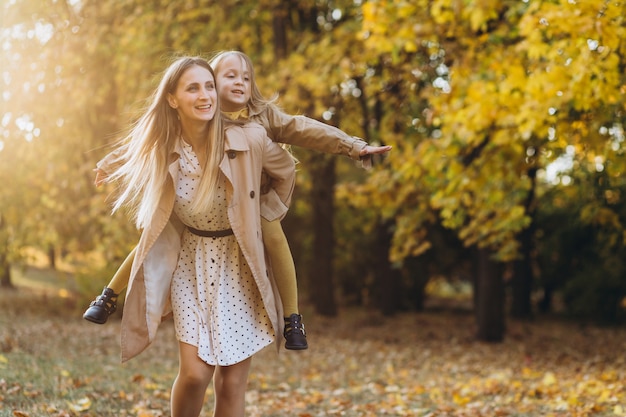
(235,139)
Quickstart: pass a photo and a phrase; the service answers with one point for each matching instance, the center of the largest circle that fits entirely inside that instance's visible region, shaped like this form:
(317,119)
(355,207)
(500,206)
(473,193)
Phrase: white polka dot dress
(216,303)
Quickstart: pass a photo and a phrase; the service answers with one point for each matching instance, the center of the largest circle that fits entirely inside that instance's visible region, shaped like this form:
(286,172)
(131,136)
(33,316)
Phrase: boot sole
(94,320)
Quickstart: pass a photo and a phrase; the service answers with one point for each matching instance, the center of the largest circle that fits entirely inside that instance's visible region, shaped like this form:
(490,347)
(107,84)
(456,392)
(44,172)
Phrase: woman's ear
(172,101)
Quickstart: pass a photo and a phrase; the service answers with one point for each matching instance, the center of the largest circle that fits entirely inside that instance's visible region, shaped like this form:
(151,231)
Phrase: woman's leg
(230,389)
(194,376)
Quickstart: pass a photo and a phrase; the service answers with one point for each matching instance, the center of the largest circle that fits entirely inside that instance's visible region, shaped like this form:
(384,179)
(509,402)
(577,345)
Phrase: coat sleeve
(311,134)
(281,167)
(111,161)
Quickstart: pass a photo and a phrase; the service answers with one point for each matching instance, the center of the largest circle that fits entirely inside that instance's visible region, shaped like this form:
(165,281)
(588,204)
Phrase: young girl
(241,99)
(194,190)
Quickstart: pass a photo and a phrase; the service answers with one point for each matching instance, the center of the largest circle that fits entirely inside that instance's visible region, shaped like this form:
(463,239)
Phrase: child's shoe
(102,307)
(295,337)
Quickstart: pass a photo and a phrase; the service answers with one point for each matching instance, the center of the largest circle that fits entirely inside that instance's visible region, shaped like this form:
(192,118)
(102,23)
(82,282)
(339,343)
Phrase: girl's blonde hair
(257,102)
(150,143)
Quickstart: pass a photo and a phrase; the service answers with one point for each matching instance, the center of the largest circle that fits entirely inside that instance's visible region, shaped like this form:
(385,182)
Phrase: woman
(241,99)
(193,186)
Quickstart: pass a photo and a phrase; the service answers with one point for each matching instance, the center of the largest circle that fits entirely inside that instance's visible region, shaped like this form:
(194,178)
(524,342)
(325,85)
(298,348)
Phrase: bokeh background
(504,191)
(476,270)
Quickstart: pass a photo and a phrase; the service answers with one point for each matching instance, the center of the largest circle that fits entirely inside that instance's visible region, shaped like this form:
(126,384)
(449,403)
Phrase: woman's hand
(101,177)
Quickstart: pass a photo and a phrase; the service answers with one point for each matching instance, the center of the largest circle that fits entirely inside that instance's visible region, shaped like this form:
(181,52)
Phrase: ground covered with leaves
(53,363)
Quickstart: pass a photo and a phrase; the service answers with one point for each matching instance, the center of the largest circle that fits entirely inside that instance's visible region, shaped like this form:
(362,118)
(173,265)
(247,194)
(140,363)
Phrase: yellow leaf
(549,379)
(410,46)
(618,410)
(460,400)
(81,405)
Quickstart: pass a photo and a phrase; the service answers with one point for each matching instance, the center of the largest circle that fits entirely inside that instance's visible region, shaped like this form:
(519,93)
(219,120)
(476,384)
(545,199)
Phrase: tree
(61,107)
(481,101)
(518,85)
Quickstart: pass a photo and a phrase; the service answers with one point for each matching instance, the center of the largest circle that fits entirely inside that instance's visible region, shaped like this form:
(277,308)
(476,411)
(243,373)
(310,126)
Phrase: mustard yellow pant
(278,252)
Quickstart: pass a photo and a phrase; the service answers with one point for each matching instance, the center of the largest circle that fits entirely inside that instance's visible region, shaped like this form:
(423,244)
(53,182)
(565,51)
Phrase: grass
(53,363)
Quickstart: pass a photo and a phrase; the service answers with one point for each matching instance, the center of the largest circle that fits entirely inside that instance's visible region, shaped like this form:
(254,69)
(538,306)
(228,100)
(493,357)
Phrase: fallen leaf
(80,405)
(548,379)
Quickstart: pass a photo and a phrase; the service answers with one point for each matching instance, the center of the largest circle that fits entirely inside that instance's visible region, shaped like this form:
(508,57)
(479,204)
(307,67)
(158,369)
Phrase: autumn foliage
(506,119)
(53,363)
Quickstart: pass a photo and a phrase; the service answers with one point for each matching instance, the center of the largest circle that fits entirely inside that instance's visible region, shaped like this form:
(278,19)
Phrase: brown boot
(295,336)
(102,307)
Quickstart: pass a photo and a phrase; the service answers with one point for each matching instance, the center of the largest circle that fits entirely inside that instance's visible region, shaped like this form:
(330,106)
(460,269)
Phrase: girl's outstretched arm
(373,150)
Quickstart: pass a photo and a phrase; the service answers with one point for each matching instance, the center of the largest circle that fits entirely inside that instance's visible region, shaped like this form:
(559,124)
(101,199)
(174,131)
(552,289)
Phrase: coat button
(232,154)
(252,194)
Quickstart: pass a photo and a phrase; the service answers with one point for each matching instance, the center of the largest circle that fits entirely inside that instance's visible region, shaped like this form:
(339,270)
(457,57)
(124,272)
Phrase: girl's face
(195,97)
(234,84)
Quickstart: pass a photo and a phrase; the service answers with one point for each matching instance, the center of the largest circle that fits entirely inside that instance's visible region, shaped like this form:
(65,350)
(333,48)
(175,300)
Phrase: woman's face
(195,97)
(234,84)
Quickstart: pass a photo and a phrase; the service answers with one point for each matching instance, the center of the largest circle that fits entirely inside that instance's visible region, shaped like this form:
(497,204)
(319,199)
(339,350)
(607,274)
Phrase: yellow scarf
(239,114)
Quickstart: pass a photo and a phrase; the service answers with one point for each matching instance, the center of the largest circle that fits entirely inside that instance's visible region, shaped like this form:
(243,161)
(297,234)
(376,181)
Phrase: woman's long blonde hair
(150,143)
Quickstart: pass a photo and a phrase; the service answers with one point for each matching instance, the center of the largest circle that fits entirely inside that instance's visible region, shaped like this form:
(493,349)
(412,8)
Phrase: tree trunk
(322,168)
(52,259)
(545,304)
(5,272)
(489,296)
(416,272)
(279,28)
(5,266)
(386,278)
(522,281)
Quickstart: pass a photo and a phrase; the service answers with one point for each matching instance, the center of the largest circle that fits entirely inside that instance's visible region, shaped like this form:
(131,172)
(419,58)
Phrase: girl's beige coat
(248,151)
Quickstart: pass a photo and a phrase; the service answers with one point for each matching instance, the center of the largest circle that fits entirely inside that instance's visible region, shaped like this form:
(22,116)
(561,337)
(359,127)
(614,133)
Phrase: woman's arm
(108,164)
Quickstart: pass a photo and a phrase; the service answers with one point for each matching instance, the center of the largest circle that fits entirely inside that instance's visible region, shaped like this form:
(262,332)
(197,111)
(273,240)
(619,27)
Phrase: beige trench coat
(248,151)
(309,133)
(292,130)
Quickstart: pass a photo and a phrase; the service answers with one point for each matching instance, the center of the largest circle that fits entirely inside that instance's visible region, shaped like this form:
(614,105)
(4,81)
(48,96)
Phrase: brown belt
(211,233)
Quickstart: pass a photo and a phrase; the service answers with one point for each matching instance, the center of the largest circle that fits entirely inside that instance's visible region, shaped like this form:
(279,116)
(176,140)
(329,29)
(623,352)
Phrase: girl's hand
(373,150)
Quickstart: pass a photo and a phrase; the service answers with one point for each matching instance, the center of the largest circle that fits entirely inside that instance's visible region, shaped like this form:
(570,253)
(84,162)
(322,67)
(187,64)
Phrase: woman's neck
(195,134)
